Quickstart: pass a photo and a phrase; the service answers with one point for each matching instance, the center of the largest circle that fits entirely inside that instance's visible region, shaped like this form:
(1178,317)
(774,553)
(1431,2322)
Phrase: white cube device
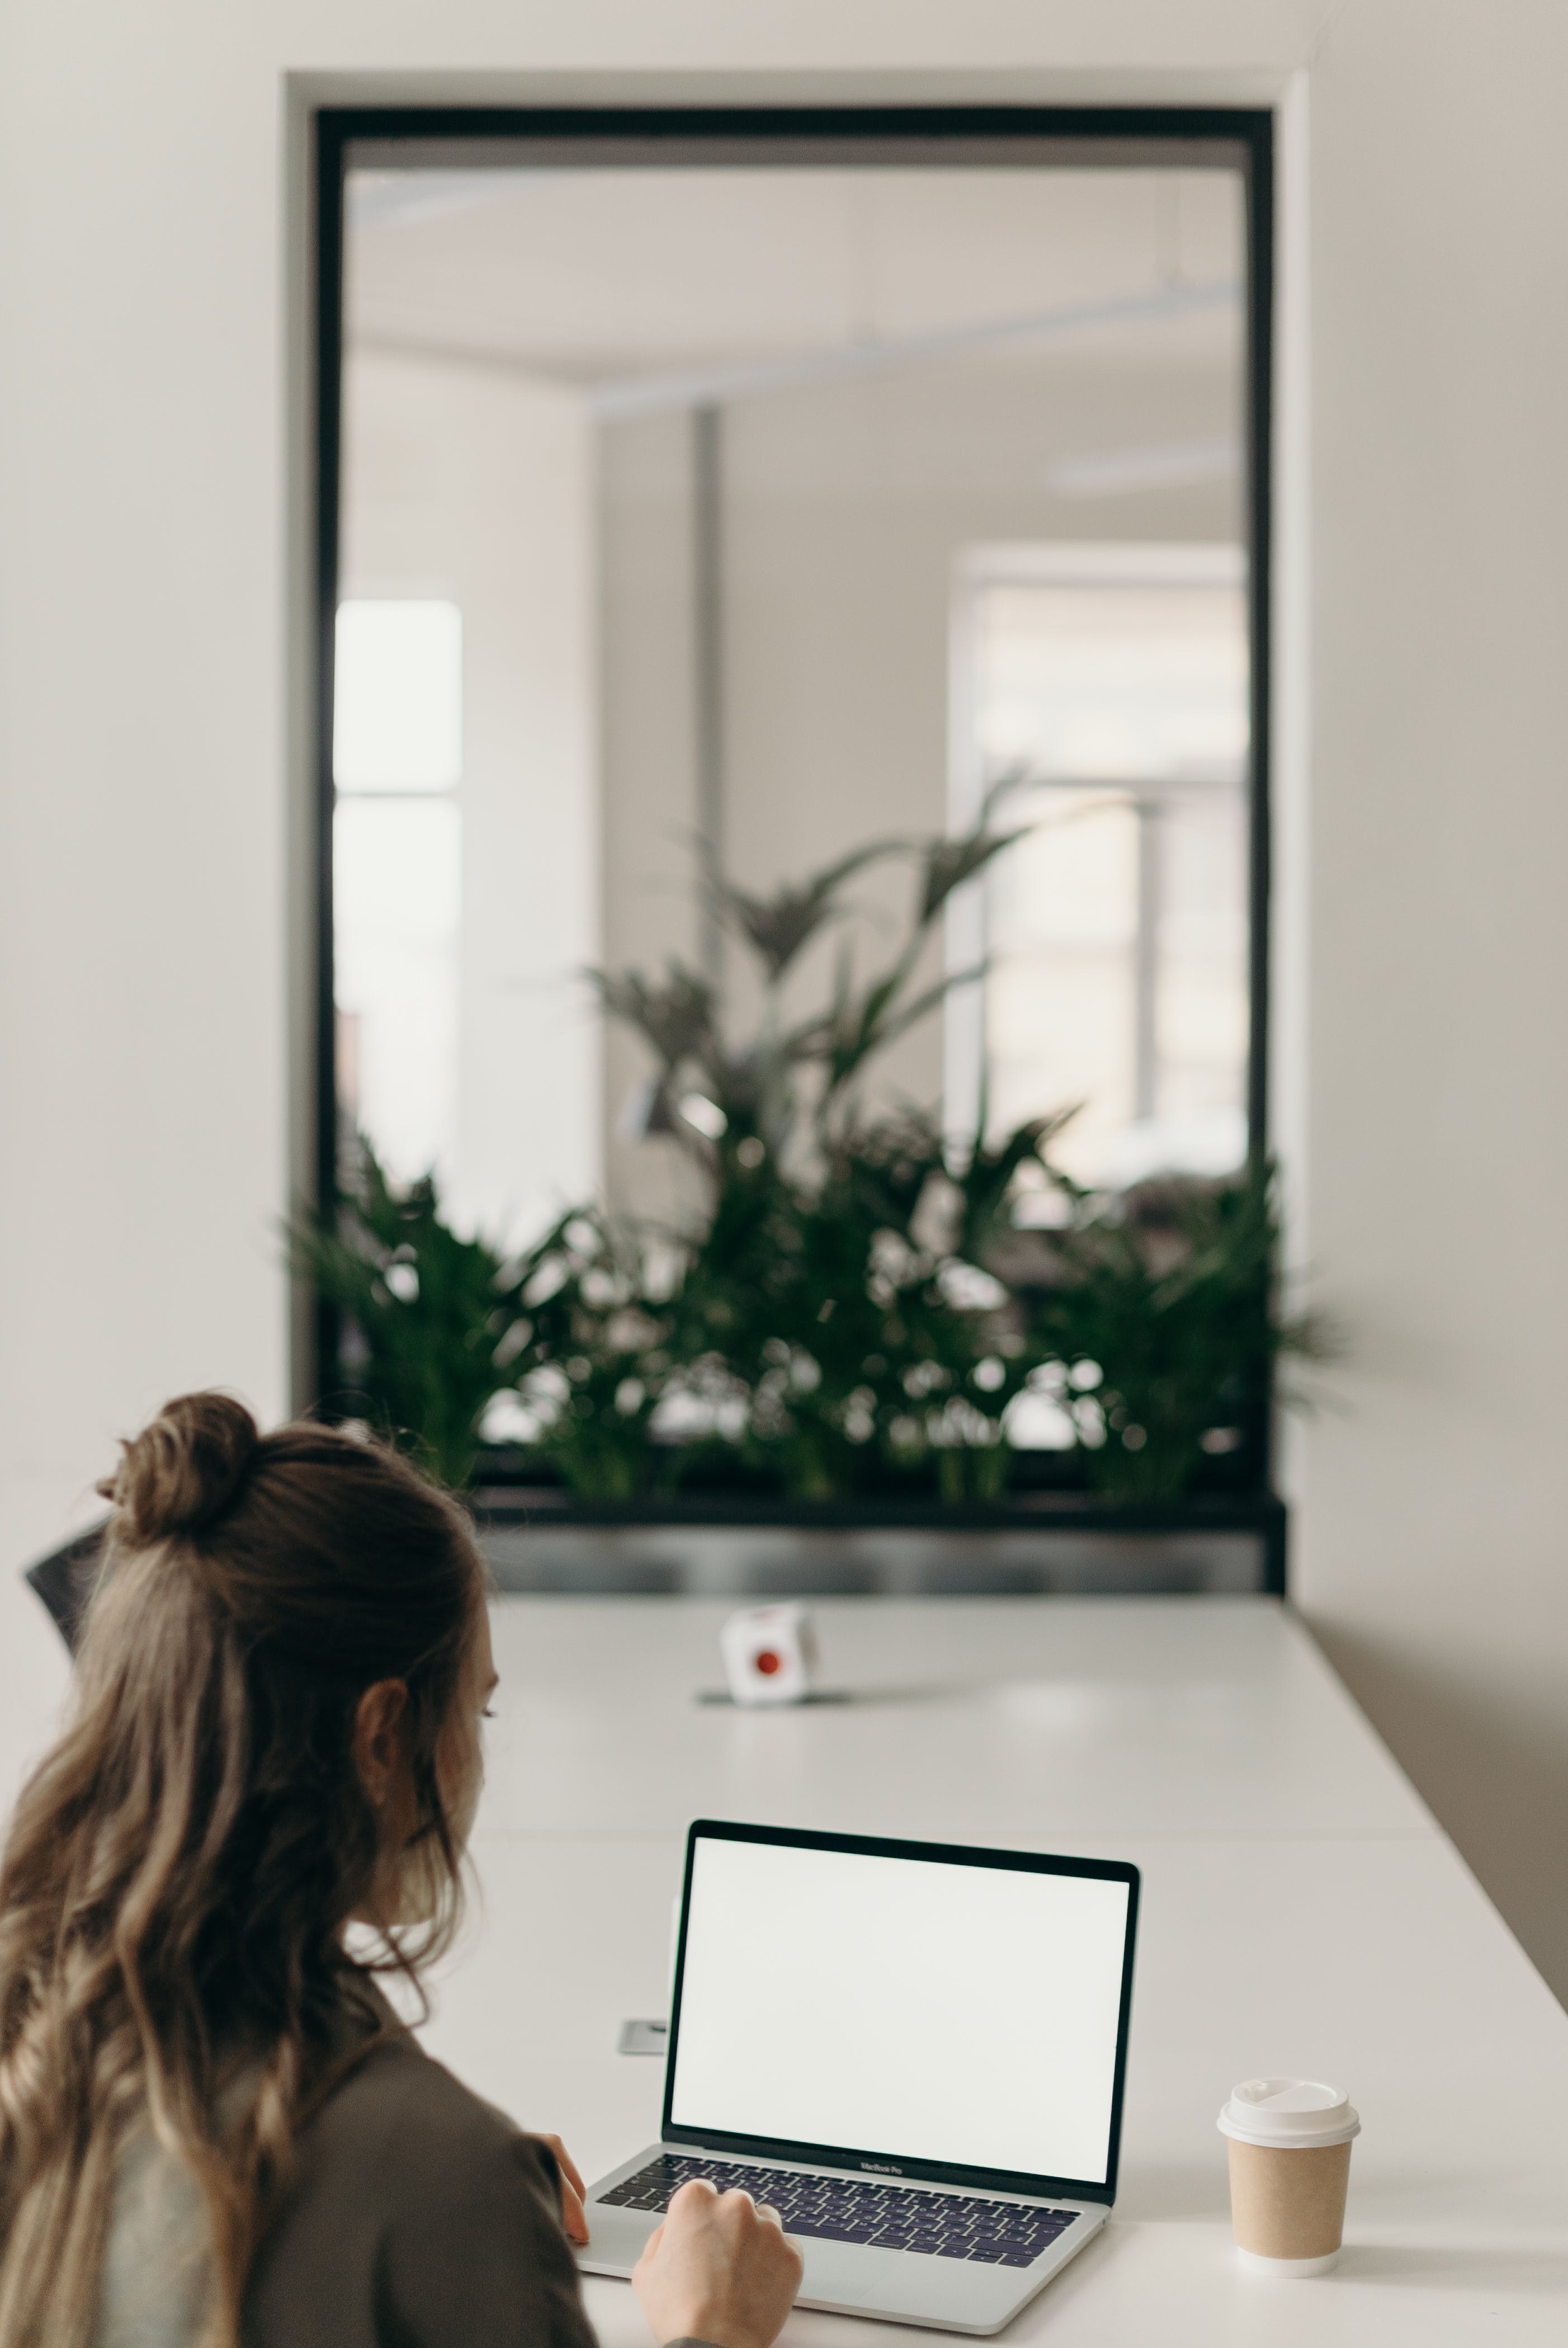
(770,1655)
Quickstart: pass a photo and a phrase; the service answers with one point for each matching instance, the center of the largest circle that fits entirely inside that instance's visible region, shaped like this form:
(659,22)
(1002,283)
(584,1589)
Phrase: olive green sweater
(418,2216)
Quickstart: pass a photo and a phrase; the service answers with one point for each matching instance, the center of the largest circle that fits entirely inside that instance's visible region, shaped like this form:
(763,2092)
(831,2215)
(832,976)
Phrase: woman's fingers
(573,2192)
(718,2269)
(574,2218)
(696,2188)
(567,2166)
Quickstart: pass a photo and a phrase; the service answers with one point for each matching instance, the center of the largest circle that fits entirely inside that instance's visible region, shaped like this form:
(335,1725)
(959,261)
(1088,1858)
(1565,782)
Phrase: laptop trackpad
(616,2237)
(893,2283)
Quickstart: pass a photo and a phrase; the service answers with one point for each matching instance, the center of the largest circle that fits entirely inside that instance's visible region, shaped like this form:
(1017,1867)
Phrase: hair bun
(181,1473)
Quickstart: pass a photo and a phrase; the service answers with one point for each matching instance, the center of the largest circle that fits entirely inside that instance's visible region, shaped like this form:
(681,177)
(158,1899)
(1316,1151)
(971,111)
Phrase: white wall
(1434,1550)
(477,484)
(145,608)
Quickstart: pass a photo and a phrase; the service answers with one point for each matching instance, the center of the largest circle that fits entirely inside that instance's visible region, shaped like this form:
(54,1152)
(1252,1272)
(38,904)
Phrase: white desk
(1301,1912)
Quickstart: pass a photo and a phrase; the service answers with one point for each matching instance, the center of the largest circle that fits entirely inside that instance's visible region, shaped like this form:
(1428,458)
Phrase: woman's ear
(378,1753)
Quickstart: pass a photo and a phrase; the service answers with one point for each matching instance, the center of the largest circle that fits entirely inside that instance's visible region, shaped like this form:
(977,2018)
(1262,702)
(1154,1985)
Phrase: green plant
(819,1317)
(845,1314)
(1162,1314)
(788,1090)
(851,1301)
(593,1356)
(430,1319)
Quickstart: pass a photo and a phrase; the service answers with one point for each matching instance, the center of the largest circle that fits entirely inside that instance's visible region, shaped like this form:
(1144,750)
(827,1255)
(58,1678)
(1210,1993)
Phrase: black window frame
(443,138)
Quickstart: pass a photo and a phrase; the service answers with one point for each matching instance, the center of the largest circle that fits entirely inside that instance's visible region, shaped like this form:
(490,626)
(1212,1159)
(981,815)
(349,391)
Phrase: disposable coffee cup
(1290,2164)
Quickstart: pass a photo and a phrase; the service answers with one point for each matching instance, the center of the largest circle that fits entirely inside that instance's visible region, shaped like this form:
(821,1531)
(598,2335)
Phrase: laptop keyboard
(838,2209)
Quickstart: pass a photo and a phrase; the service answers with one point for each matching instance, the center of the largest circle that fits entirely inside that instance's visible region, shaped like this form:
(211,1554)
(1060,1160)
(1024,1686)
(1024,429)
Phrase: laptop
(912,2051)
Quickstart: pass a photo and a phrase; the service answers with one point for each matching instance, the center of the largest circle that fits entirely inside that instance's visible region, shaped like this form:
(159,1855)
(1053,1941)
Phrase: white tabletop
(1301,1912)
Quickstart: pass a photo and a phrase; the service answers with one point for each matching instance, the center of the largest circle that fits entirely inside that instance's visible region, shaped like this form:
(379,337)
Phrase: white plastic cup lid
(1289,2113)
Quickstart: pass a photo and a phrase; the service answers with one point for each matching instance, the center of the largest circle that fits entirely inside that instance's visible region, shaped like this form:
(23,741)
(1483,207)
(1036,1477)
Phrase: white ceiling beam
(656,395)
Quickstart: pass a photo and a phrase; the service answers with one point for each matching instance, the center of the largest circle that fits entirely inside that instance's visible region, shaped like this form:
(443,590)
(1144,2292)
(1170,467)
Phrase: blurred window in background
(1101,692)
(657,471)
(397,874)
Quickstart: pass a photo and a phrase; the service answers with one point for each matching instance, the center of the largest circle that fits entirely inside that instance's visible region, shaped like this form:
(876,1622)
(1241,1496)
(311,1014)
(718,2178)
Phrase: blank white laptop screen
(957,2014)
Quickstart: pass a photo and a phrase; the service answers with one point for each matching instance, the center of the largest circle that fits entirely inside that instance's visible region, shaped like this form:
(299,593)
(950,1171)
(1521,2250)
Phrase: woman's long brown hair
(180,1869)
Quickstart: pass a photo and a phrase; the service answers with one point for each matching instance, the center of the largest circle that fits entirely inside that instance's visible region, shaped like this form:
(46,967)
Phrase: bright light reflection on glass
(397,894)
(398,697)
(1118,929)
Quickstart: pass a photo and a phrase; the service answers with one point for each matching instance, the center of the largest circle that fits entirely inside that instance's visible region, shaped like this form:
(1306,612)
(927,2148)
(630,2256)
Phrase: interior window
(761,508)
(1102,693)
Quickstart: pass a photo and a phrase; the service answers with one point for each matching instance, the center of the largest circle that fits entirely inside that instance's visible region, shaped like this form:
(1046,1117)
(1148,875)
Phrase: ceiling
(616,280)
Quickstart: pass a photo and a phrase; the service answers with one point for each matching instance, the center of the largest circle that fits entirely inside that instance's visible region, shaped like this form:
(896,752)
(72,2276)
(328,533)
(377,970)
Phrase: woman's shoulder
(401,2142)
(398,2098)
(416,2213)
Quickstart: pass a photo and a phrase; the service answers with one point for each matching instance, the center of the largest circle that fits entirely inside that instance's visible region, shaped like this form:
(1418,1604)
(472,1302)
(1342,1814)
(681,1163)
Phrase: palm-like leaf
(859,1027)
(949,863)
(778,927)
(1172,1294)
(985,1181)
(430,1313)
(675,1016)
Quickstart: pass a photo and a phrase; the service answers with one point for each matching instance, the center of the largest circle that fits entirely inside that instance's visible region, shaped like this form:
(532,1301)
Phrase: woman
(213,2129)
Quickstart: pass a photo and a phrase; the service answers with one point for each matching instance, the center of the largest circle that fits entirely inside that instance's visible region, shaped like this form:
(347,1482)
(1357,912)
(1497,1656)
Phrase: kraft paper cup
(1290,2164)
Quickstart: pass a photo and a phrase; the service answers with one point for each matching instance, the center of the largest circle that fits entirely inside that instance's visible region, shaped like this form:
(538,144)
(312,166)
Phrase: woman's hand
(571,2191)
(719,2269)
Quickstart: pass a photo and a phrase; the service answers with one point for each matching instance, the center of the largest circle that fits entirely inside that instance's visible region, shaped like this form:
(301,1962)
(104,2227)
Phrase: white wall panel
(1432,1551)
(477,484)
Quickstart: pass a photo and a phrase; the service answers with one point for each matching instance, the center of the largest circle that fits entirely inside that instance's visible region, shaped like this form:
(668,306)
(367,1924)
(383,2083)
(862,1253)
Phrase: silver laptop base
(890,2286)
